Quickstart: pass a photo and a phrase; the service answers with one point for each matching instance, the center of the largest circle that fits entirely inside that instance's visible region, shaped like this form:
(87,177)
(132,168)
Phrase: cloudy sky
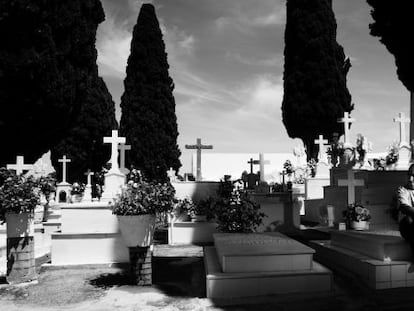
(226,60)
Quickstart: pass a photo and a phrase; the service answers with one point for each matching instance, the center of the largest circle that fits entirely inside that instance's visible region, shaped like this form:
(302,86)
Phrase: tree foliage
(84,142)
(315,92)
(148,119)
(393,22)
(47,58)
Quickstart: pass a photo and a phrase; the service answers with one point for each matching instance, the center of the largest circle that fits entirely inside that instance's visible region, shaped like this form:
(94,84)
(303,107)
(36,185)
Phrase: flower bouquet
(357,216)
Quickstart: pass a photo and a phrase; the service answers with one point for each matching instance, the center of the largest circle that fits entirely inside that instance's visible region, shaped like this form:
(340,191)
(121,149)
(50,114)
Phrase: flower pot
(20,248)
(137,230)
(198,218)
(360,225)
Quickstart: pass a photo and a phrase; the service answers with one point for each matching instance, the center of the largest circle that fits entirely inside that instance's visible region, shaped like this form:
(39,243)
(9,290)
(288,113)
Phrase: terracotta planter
(360,225)
(20,225)
(137,230)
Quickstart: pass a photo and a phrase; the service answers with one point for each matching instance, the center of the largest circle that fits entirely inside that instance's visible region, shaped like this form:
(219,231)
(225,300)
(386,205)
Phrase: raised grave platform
(247,265)
(89,235)
(186,232)
(380,259)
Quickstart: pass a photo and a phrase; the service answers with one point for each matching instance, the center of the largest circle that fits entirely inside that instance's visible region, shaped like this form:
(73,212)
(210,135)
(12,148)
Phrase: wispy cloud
(274,61)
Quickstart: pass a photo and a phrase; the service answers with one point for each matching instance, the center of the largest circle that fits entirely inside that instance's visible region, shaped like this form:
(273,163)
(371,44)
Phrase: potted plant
(47,185)
(19,196)
(357,217)
(182,209)
(234,210)
(202,210)
(77,191)
(136,209)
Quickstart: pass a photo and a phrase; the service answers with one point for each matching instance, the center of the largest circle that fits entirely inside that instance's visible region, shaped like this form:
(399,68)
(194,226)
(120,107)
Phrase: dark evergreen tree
(47,56)
(84,142)
(315,92)
(393,22)
(148,119)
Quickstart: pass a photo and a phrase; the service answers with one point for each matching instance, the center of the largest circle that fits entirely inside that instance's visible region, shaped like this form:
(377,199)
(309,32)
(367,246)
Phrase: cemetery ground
(179,284)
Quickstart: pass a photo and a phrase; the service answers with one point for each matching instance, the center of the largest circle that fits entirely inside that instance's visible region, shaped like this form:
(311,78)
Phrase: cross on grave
(346,120)
(89,175)
(19,167)
(262,163)
(171,174)
(123,148)
(114,140)
(252,162)
(351,183)
(198,146)
(64,160)
(322,153)
(402,120)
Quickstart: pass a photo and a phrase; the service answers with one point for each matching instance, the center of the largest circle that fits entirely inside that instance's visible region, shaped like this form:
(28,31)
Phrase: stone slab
(314,187)
(261,252)
(185,232)
(183,250)
(88,248)
(375,274)
(92,217)
(253,284)
(375,245)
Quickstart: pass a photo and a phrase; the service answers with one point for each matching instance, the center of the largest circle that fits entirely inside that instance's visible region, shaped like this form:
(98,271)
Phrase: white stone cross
(346,120)
(171,174)
(199,147)
(89,177)
(351,183)
(122,148)
(19,167)
(322,157)
(402,120)
(64,160)
(262,163)
(114,140)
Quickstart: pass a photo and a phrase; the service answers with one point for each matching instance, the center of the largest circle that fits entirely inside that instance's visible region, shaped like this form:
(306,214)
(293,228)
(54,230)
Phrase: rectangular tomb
(261,252)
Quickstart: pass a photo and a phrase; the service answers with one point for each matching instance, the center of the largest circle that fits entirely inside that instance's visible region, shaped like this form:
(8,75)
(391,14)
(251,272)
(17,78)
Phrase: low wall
(195,190)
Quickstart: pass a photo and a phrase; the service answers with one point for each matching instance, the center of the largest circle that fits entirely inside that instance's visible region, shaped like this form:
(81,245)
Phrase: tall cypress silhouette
(83,144)
(148,119)
(315,92)
(47,58)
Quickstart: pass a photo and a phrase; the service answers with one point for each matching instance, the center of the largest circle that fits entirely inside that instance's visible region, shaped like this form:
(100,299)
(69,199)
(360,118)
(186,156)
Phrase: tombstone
(87,195)
(20,167)
(347,121)
(322,167)
(252,181)
(199,147)
(262,163)
(171,175)
(63,186)
(123,148)
(114,179)
(351,183)
(404,152)
(300,154)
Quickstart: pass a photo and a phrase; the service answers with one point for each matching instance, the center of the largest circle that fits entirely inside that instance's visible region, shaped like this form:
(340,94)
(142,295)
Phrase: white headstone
(402,120)
(346,120)
(262,163)
(64,160)
(87,195)
(171,175)
(322,156)
(122,148)
(114,140)
(351,183)
(19,167)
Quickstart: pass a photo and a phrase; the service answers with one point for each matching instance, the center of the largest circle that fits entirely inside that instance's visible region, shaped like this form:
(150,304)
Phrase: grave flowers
(19,196)
(392,156)
(136,209)
(77,191)
(357,216)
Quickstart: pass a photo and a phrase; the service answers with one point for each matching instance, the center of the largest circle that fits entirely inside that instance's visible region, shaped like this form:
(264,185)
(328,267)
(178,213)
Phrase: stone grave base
(259,264)
(88,248)
(379,259)
(186,232)
(254,284)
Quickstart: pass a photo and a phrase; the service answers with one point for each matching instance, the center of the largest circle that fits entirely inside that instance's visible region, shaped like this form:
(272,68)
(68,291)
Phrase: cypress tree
(84,142)
(315,69)
(148,119)
(393,23)
(47,56)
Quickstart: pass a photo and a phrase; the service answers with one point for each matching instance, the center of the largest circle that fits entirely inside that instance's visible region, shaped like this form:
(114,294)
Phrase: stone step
(261,252)
(252,284)
(376,274)
(375,245)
